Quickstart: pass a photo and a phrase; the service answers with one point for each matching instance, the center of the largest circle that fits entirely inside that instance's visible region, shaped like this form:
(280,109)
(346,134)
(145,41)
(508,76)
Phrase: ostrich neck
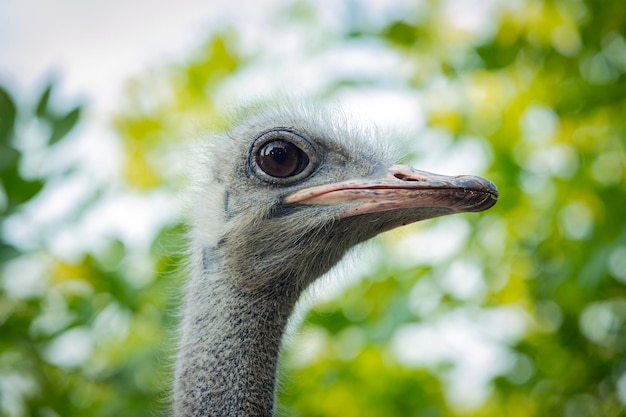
(230,342)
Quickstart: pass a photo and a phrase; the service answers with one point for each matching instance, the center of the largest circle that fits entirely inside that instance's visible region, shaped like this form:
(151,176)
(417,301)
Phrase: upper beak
(402,187)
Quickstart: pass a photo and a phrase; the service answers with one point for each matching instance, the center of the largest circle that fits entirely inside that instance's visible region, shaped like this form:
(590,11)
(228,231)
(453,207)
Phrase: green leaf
(42,106)
(62,126)
(7,252)
(8,158)
(8,113)
(496,56)
(402,33)
(19,190)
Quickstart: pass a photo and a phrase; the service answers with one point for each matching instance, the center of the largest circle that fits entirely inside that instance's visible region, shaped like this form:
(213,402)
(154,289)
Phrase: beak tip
(492,195)
(486,188)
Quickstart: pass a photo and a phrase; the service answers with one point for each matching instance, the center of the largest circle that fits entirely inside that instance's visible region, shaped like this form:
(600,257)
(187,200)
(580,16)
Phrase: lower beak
(403,187)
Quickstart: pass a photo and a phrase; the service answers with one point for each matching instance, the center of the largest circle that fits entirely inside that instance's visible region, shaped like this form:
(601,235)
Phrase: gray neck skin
(230,343)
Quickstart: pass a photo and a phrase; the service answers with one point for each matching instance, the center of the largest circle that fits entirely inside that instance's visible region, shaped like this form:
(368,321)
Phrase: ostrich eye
(281,156)
(281,159)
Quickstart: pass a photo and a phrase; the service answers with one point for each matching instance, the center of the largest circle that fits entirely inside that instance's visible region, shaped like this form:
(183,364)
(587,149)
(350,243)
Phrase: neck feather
(230,343)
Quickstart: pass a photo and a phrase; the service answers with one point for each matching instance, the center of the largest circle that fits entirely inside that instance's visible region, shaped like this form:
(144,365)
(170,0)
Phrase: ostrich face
(284,158)
(295,195)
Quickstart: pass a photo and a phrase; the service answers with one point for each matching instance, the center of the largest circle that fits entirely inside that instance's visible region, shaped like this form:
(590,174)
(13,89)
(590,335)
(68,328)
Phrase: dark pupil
(282,159)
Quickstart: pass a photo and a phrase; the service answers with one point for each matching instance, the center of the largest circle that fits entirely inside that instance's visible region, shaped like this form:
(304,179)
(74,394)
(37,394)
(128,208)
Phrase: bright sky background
(95,46)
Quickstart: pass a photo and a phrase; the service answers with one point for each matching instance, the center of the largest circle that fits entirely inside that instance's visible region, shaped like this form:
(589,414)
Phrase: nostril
(405,177)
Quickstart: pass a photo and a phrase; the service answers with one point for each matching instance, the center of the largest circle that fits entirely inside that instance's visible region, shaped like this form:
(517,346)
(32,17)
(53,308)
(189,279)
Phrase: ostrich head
(290,190)
(286,193)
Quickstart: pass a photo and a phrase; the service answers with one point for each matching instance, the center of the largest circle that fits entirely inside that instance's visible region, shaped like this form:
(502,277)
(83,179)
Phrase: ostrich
(284,195)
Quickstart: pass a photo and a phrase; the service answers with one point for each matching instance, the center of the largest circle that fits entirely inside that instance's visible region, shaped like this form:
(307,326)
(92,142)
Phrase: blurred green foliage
(543,92)
(46,310)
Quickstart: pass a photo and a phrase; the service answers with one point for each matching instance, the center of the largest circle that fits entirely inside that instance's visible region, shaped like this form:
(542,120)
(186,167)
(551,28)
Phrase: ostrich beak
(402,187)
